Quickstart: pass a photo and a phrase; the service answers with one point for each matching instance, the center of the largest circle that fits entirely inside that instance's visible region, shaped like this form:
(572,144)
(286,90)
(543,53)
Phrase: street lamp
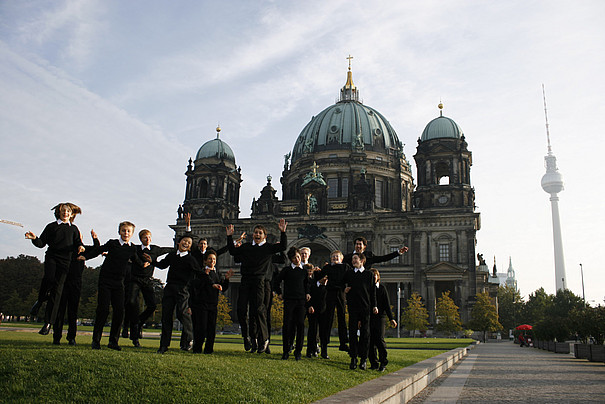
(582,273)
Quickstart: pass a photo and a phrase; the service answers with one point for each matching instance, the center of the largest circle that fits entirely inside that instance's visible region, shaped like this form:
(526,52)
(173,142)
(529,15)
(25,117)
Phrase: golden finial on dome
(440,106)
(218,130)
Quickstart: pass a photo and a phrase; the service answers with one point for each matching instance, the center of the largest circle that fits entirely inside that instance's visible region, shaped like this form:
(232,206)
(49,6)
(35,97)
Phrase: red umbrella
(524,327)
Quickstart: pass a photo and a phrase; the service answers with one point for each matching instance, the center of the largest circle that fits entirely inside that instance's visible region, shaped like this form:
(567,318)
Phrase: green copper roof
(441,127)
(215,148)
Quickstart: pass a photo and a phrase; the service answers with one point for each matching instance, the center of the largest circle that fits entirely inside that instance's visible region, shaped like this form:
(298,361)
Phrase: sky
(103,102)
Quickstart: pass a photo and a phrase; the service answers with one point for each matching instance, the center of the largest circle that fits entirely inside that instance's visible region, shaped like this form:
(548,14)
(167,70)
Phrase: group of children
(194,283)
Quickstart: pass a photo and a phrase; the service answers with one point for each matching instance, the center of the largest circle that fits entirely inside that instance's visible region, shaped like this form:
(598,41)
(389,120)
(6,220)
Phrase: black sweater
(116,265)
(318,296)
(362,296)
(256,260)
(202,294)
(62,240)
(181,268)
(383,303)
(138,268)
(335,274)
(296,283)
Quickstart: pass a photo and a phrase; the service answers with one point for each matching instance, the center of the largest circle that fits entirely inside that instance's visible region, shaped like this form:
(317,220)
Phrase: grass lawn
(32,369)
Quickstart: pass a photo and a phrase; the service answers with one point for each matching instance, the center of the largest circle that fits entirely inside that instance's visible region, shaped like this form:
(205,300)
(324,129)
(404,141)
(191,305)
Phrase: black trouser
(335,299)
(145,287)
(51,287)
(377,325)
(314,325)
(70,301)
(176,297)
(252,299)
(110,292)
(204,329)
(294,324)
(359,319)
(268,304)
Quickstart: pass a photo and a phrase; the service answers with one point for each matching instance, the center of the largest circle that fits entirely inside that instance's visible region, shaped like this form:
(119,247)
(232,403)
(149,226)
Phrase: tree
(535,309)
(484,315)
(448,317)
(21,274)
(510,307)
(558,322)
(223,316)
(277,314)
(415,316)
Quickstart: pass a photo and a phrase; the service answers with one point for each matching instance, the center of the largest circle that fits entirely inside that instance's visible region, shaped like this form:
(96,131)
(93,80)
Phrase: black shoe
(353,364)
(186,348)
(45,329)
(95,345)
(163,350)
(35,308)
(136,343)
(309,355)
(285,356)
(291,348)
(247,345)
(325,356)
(253,345)
(297,356)
(344,348)
(363,364)
(207,352)
(268,350)
(56,342)
(382,368)
(141,330)
(114,346)
(263,347)
(374,366)
(71,342)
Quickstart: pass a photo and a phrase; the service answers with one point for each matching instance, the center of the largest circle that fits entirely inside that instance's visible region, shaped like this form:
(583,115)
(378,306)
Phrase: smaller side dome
(216,148)
(441,127)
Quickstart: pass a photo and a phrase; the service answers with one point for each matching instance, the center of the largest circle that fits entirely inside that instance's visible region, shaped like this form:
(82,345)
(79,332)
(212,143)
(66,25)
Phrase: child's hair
(361,256)
(260,227)
(125,223)
(307,267)
(376,273)
(186,235)
(75,210)
(363,240)
(143,232)
(210,252)
(337,252)
(202,239)
(292,252)
(305,248)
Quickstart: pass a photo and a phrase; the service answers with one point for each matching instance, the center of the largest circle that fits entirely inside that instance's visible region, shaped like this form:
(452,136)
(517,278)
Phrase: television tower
(552,183)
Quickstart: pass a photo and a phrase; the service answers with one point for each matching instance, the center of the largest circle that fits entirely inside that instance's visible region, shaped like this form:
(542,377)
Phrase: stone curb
(402,385)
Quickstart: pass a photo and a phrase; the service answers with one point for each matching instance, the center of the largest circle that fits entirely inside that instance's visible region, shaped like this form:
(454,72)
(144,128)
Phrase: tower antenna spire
(546,118)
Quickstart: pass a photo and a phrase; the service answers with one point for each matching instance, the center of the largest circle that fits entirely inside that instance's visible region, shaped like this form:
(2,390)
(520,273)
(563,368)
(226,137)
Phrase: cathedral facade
(347,176)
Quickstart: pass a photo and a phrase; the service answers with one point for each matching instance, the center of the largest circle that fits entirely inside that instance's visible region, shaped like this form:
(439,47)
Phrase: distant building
(347,176)
(506,278)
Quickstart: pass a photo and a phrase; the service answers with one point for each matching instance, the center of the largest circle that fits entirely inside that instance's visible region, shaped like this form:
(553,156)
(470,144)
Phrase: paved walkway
(504,372)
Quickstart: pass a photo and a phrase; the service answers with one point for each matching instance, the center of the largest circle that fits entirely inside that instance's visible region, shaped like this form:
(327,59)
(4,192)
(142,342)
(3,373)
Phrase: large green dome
(217,149)
(441,127)
(342,126)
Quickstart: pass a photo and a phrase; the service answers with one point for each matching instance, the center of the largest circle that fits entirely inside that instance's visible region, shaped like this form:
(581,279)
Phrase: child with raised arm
(204,291)
(256,258)
(176,293)
(70,298)
(63,240)
(120,253)
(377,325)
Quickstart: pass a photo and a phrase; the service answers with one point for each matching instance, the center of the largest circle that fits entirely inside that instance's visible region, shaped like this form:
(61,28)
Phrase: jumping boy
(361,301)
(335,299)
(295,294)
(120,253)
(63,240)
(255,260)
(377,325)
(204,290)
(176,294)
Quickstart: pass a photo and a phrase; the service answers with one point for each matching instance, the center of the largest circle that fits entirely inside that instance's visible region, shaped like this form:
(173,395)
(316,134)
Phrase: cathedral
(347,176)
